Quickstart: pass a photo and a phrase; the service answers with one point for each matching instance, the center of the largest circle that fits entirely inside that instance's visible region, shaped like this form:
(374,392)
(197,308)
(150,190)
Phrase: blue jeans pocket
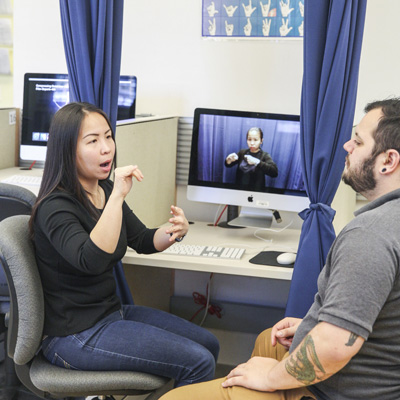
(60,362)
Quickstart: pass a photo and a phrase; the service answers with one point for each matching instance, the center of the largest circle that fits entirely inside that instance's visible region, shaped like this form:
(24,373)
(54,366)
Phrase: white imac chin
(30,153)
(255,207)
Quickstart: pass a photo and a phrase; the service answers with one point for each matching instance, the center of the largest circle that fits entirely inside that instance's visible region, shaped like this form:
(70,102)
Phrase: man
(348,344)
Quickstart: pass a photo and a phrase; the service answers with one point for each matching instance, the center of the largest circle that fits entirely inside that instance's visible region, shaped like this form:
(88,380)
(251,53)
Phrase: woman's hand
(180,225)
(284,330)
(123,179)
(231,158)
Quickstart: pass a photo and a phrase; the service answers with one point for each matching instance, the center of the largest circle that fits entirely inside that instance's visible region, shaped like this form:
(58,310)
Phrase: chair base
(16,393)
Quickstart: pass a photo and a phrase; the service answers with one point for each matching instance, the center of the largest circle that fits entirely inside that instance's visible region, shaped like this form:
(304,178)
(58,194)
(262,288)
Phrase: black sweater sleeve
(268,166)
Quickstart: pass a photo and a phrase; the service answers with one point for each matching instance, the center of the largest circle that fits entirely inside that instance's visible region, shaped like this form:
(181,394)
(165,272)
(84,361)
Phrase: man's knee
(263,346)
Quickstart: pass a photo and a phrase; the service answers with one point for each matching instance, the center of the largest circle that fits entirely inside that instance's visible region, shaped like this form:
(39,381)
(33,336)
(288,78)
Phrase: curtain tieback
(328,211)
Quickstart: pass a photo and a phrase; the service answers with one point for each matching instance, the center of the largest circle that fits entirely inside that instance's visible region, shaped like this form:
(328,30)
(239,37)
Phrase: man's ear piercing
(383,169)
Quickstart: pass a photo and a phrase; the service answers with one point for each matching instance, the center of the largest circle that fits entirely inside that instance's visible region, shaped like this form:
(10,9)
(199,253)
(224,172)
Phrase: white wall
(178,70)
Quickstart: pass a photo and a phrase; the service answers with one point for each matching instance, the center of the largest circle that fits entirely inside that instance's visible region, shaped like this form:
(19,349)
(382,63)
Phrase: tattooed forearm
(304,365)
(352,339)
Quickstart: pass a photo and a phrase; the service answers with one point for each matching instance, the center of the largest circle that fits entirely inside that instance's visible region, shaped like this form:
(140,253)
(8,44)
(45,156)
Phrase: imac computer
(44,94)
(249,161)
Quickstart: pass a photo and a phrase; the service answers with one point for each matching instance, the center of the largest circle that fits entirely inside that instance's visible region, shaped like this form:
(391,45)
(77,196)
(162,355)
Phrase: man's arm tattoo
(352,339)
(305,363)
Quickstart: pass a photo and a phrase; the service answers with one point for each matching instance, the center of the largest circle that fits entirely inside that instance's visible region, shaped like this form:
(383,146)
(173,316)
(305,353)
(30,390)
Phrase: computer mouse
(286,258)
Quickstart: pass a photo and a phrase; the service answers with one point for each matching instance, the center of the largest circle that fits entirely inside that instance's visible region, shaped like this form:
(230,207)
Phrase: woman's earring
(383,169)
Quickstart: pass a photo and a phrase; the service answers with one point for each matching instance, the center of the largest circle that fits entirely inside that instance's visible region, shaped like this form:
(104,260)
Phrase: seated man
(348,344)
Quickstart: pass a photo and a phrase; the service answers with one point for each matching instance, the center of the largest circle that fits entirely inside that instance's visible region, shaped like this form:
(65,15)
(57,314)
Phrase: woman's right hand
(123,179)
(231,158)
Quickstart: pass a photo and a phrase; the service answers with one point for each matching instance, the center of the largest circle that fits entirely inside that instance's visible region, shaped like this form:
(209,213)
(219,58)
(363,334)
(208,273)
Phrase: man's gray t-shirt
(359,290)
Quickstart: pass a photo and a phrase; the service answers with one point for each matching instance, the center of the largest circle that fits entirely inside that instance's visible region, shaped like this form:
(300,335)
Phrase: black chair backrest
(15,200)
(25,326)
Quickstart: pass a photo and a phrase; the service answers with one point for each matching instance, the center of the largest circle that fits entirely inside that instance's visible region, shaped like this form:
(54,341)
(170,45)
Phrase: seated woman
(81,227)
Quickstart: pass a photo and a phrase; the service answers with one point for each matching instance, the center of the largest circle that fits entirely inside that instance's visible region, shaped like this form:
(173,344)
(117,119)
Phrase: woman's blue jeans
(139,339)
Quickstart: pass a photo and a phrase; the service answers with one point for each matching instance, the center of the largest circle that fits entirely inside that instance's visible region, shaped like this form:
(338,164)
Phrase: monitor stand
(249,217)
(232,213)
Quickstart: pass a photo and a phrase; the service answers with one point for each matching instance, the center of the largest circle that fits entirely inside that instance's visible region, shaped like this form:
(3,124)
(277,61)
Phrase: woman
(253,163)
(81,227)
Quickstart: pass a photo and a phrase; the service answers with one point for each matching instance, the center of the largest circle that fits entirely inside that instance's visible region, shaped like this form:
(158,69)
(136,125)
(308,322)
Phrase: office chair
(14,200)
(25,331)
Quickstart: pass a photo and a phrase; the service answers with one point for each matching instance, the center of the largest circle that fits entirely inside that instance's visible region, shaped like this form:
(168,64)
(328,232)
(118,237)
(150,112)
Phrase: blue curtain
(333,31)
(92,33)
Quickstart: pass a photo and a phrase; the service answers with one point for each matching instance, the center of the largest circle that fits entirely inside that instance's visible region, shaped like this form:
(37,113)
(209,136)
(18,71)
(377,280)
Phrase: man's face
(359,171)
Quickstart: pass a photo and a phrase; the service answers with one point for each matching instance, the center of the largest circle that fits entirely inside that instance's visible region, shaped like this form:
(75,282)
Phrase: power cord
(205,302)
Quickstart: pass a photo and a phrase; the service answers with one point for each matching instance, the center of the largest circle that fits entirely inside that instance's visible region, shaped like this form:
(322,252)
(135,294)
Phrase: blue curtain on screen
(92,33)
(222,135)
(333,31)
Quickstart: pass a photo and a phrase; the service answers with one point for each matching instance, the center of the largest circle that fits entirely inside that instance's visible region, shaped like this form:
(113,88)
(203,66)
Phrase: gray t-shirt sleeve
(360,272)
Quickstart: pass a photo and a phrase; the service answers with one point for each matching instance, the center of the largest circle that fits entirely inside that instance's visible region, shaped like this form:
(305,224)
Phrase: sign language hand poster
(253,18)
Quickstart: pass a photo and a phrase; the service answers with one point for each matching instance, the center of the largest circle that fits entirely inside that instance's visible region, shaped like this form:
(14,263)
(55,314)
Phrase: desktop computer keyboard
(22,180)
(233,253)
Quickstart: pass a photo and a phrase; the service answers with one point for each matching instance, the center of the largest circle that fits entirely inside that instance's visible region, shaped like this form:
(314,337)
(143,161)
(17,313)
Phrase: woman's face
(254,140)
(95,149)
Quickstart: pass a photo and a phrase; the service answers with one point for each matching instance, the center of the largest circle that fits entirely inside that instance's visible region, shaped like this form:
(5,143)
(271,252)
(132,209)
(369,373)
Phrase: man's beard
(361,179)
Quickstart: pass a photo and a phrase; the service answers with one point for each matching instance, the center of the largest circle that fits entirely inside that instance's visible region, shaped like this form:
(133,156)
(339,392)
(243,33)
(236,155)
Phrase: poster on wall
(253,18)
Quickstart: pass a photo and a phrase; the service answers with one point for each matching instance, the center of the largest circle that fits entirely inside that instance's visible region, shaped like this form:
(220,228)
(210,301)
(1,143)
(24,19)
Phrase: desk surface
(203,234)
(8,172)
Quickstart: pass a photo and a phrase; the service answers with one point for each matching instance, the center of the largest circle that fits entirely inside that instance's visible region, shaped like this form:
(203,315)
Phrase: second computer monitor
(46,93)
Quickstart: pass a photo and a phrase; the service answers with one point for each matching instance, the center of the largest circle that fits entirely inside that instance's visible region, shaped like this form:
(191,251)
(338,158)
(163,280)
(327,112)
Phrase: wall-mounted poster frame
(252,18)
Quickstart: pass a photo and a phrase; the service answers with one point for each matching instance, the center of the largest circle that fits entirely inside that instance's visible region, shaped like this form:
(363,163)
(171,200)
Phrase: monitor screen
(247,159)
(44,94)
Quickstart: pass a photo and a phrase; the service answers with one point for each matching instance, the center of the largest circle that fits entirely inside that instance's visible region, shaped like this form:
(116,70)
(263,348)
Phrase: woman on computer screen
(81,227)
(253,163)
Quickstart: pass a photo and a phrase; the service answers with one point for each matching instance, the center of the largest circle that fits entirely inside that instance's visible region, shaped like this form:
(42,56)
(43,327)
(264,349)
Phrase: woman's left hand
(180,225)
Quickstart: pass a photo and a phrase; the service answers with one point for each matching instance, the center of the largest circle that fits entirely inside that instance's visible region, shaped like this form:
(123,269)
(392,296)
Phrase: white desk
(203,234)
(8,172)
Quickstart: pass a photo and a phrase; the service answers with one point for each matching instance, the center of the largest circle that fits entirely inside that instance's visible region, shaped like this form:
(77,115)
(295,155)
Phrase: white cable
(208,301)
(276,230)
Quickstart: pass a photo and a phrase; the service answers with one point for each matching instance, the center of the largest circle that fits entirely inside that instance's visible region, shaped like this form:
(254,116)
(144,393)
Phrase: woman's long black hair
(60,170)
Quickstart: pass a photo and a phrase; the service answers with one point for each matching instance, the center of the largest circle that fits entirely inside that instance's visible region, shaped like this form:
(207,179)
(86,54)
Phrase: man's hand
(253,374)
(283,331)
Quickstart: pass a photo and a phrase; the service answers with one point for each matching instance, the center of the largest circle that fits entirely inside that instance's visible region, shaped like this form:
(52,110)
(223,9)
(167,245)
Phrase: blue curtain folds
(92,33)
(333,31)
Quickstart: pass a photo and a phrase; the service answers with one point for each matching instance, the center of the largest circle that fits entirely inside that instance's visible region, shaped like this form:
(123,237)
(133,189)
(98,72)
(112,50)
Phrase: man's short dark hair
(387,134)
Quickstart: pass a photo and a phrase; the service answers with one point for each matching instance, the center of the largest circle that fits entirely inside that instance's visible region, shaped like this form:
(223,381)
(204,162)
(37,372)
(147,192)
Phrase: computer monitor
(44,94)
(228,167)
